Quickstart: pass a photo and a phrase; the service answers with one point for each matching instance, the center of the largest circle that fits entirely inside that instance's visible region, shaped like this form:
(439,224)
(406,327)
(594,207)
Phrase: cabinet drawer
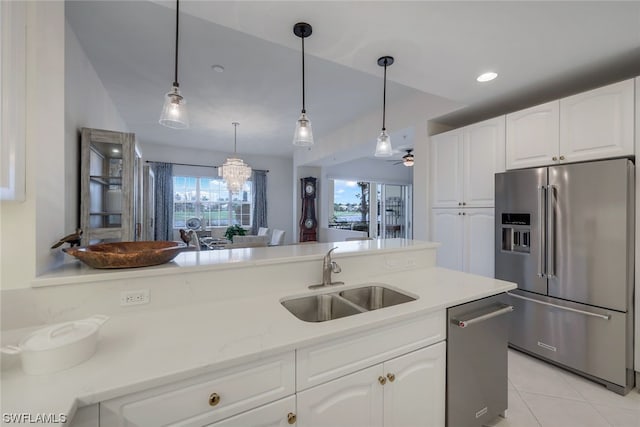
(271,415)
(323,362)
(187,403)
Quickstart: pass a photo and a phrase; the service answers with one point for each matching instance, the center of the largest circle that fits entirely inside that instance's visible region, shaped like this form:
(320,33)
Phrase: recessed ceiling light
(487,77)
(217,68)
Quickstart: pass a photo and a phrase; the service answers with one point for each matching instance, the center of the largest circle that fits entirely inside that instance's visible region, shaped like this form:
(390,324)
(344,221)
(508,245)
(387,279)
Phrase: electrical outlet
(134,297)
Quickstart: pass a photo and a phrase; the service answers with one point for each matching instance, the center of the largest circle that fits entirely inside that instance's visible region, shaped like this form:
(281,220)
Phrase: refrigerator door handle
(464,323)
(551,231)
(574,310)
(541,230)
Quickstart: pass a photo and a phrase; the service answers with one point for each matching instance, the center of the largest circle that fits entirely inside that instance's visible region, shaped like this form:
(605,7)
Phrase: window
(350,205)
(209,200)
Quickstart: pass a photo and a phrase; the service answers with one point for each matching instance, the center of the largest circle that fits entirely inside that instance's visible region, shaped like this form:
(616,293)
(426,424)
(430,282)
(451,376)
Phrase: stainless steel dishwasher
(477,334)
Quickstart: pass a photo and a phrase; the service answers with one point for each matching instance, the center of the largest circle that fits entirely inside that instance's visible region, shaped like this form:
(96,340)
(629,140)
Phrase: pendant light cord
(384,96)
(235,135)
(303,108)
(175,82)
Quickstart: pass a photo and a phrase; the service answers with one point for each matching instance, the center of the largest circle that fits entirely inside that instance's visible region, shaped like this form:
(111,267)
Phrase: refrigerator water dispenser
(516,232)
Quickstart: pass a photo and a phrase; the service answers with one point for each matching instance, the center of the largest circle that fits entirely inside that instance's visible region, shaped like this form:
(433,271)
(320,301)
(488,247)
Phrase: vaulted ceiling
(539,50)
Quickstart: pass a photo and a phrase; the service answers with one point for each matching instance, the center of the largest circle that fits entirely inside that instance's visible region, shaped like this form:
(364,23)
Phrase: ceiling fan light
(174,112)
(408,162)
(383,146)
(303,135)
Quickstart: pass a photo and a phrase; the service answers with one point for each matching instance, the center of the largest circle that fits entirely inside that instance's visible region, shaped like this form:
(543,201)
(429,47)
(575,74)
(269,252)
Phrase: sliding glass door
(393,211)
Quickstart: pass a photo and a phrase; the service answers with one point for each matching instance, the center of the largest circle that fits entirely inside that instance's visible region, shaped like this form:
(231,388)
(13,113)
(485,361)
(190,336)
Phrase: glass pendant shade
(174,112)
(383,147)
(235,172)
(303,135)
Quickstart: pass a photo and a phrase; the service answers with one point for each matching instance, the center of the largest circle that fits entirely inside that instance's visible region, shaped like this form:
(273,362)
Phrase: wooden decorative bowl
(127,254)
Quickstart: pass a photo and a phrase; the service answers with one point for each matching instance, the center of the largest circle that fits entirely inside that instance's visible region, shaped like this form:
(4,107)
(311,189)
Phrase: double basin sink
(334,305)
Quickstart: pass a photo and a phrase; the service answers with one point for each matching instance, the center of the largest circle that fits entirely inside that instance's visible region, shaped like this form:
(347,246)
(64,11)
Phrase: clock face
(308,223)
(309,189)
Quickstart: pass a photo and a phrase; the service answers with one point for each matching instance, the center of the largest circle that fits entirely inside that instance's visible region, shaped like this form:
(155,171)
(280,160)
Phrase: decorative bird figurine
(186,237)
(72,239)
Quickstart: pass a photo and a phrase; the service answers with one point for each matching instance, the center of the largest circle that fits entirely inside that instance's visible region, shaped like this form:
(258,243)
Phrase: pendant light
(174,112)
(234,171)
(303,135)
(383,146)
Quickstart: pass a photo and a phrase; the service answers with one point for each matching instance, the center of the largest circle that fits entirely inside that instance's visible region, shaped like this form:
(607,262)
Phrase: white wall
(410,113)
(279,194)
(87,104)
(28,229)
(370,170)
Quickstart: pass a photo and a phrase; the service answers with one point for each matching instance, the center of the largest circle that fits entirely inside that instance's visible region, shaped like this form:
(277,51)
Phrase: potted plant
(234,230)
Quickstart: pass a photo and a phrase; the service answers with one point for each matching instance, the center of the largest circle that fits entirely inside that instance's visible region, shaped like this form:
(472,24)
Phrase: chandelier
(234,171)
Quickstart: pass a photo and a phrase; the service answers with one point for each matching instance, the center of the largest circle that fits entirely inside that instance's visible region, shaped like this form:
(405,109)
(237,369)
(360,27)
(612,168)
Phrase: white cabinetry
(591,125)
(402,392)
(467,237)
(598,123)
(416,380)
(277,414)
(207,398)
(464,161)
(533,136)
(353,400)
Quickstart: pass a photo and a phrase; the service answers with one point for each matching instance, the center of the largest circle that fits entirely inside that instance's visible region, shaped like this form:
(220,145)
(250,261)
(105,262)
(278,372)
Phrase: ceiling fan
(406,160)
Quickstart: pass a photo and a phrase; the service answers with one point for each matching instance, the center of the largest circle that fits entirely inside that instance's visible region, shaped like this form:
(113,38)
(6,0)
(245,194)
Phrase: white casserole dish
(59,346)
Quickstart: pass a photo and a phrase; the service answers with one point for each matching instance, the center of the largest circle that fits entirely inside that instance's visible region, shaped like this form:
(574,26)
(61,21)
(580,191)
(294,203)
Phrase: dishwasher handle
(491,315)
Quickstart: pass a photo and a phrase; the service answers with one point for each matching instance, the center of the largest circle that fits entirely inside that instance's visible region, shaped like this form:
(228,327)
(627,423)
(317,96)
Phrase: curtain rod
(188,164)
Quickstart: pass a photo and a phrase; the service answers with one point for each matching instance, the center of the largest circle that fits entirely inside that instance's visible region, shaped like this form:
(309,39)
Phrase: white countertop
(153,348)
(77,272)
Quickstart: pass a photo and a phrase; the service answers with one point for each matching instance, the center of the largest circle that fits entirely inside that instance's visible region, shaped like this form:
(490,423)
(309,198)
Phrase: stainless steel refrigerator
(565,235)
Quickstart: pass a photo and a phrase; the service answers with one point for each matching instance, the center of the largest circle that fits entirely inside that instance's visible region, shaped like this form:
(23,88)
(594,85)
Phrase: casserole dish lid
(62,334)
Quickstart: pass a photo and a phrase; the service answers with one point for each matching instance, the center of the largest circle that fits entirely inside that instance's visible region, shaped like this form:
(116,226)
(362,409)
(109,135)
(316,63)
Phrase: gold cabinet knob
(382,380)
(561,157)
(291,418)
(391,377)
(214,399)
(554,158)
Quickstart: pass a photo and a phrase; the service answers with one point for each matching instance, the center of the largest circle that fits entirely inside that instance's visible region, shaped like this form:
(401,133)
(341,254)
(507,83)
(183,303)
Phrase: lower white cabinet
(390,376)
(351,401)
(207,398)
(467,238)
(406,391)
(414,394)
(281,413)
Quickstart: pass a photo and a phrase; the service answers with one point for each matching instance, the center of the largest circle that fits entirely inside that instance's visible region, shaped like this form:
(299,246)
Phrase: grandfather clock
(308,222)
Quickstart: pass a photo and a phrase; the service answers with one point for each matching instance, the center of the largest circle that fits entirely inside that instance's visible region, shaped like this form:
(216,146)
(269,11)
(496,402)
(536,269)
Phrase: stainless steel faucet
(328,267)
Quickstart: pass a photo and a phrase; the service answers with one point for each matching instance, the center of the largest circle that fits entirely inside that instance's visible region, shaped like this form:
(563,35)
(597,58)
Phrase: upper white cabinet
(446,166)
(591,125)
(598,123)
(464,162)
(533,138)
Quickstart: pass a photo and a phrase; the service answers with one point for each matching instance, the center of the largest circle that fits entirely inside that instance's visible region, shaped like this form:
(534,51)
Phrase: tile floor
(542,395)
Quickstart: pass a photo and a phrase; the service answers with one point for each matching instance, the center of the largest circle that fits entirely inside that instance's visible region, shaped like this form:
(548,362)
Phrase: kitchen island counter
(148,348)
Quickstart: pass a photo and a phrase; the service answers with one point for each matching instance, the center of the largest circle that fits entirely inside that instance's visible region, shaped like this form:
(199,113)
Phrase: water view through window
(350,205)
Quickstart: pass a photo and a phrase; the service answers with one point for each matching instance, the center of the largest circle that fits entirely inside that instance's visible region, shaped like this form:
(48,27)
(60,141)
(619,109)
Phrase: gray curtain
(164,201)
(259,200)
